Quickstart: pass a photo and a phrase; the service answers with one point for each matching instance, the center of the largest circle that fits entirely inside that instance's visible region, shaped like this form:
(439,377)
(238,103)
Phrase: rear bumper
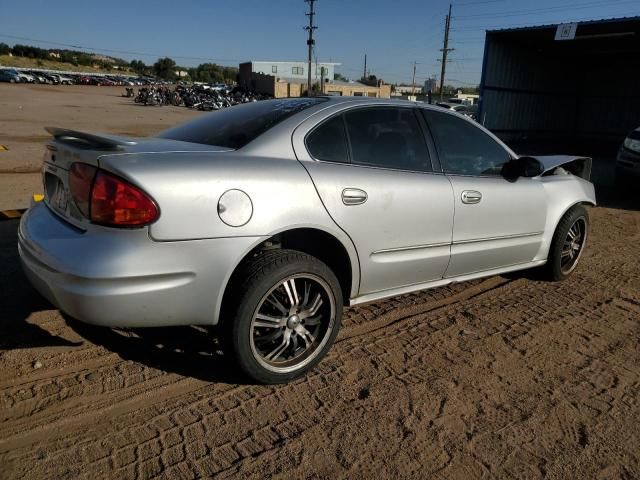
(122,278)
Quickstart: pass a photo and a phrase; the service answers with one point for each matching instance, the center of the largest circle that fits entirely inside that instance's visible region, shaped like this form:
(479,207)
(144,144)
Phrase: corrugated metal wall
(527,93)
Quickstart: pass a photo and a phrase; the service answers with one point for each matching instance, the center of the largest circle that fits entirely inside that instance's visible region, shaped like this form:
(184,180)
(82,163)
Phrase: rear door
(373,171)
(497,222)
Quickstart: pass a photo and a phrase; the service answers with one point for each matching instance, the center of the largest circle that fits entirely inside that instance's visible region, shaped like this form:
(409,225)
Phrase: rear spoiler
(87,140)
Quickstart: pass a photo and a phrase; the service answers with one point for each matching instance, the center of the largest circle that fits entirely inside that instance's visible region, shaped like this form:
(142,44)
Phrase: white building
(290,71)
(431,84)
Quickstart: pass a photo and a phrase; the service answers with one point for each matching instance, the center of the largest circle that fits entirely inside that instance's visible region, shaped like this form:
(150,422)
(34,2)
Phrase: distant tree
(371,80)
(340,77)
(165,68)
(4,49)
(138,66)
(29,51)
(212,73)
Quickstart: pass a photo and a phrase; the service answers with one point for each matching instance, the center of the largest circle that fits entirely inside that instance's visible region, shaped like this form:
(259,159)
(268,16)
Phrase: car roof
(269,142)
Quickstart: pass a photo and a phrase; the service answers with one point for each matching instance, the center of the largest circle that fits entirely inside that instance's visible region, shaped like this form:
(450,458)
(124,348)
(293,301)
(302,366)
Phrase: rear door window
(388,137)
(328,141)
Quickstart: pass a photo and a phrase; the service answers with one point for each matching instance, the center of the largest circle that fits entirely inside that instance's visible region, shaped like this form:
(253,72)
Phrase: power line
(518,13)
(125,52)
(476,28)
(463,82)
(482,2)
(520,25)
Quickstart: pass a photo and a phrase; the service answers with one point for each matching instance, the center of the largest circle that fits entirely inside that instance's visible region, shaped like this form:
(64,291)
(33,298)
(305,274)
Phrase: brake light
(109,200)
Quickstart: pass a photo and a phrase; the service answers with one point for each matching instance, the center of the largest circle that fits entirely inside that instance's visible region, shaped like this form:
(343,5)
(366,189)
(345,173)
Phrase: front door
(497,223)
(372,169)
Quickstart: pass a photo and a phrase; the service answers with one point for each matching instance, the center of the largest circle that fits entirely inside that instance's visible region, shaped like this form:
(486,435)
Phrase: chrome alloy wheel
(292,323)
(573,245)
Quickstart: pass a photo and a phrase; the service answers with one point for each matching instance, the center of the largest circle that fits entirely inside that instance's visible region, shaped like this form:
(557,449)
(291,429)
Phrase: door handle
(354,196)
(471,196)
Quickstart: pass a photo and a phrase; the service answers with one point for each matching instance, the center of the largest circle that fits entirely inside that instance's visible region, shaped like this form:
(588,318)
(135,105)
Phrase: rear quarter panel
(187,187)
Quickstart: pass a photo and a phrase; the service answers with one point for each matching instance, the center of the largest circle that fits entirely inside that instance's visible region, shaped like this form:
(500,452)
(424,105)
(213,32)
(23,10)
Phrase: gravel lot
(508,377)
(26,109)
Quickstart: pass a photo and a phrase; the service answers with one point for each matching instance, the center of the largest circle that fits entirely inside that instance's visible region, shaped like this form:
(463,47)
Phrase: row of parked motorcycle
(201,97)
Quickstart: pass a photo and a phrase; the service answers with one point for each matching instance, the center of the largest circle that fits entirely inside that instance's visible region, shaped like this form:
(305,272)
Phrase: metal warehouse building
(567,83)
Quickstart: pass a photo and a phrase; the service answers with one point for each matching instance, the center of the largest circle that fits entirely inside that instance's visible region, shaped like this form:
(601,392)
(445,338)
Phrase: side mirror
(522,167)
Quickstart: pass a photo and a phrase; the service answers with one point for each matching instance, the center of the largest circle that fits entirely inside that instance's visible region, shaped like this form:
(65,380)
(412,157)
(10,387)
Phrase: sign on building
(566,31)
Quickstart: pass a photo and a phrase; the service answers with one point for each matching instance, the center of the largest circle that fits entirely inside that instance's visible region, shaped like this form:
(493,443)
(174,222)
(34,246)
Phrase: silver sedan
(267,218)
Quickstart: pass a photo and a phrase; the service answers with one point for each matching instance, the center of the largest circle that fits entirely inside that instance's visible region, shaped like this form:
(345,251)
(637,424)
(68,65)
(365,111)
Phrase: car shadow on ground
(190,351)
(18,300)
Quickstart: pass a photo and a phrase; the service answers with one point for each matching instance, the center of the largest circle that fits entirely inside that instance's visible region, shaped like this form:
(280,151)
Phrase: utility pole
(364,73)
(413,82)
(310,43)
(445,51)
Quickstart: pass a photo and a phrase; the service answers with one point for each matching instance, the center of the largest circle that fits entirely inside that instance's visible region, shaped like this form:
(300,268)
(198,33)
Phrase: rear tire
(568,244)
(281,316)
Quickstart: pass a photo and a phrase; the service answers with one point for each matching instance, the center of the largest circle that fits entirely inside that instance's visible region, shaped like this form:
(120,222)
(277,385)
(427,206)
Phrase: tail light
(109,200)
(81,178)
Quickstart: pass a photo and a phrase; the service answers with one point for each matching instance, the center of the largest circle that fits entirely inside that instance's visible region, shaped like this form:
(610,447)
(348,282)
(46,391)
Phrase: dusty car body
(266,218)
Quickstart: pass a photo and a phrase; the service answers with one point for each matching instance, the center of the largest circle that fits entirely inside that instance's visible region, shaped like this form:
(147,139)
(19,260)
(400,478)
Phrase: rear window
(235,127)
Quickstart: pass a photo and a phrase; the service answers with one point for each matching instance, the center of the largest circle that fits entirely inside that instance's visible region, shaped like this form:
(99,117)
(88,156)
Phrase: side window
(387,137)
(464,148)
(328,141)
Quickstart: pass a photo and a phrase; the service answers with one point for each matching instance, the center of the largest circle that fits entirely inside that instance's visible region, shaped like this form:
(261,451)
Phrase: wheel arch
(552,224)
(341,258)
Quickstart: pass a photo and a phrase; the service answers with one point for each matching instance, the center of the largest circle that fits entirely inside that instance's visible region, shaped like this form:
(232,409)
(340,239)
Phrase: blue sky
(392,33)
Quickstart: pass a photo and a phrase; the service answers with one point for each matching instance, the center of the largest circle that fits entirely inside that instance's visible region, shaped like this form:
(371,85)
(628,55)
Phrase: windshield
(235,127)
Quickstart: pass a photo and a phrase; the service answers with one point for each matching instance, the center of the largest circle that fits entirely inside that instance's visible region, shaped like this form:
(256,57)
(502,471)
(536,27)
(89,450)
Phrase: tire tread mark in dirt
(396,316)
(189,385)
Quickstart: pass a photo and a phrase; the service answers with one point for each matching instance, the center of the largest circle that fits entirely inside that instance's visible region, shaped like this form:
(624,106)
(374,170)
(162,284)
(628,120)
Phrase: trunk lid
(69,146)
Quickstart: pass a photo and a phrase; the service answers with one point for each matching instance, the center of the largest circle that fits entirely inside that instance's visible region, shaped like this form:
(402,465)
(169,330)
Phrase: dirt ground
(508,377)
(26,109)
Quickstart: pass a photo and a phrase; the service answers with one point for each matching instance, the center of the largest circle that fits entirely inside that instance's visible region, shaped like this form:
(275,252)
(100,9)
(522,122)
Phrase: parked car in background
(266,218)
(9,76)
(25,77)
(456,107)
(628,159)
(37,76)
(465,109)
(51,78)
(470,111)
(64,80)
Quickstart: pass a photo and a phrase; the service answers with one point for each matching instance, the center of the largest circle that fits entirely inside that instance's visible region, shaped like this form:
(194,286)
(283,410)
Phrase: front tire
(282,315)
(568,243)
